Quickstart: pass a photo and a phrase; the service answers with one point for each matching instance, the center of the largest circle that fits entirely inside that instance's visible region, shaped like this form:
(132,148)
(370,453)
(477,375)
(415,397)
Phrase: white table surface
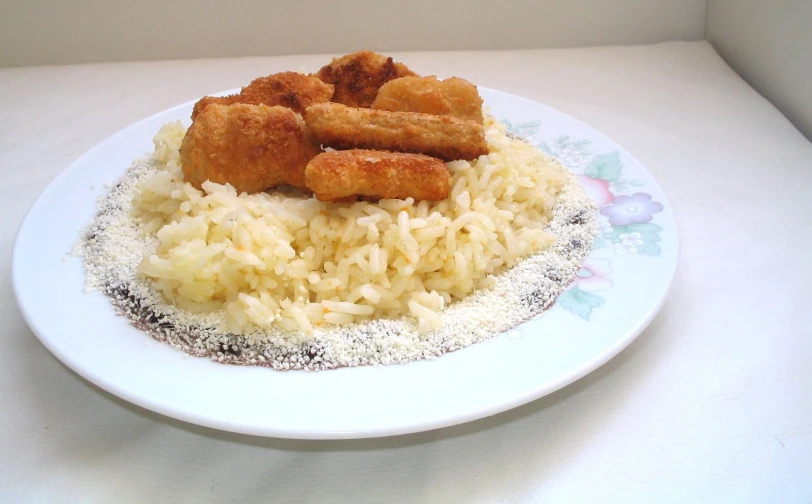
(712,403)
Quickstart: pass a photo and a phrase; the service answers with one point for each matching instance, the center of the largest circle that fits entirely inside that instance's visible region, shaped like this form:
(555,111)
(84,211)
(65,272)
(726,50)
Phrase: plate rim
(514,401)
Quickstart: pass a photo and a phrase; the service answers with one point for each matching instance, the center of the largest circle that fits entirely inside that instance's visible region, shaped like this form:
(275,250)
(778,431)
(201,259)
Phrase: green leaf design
(614,236)
(648,232)
(562,141)
(605,166)
(649,248)
(645,227)
(522,128)
(529,127)
(579,302)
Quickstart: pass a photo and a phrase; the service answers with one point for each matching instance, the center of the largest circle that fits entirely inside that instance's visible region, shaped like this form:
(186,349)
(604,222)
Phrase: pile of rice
(286,259)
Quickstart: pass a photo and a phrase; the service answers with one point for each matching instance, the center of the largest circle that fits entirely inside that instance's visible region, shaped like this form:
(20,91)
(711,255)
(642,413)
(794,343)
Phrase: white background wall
(769,43)
(37,32)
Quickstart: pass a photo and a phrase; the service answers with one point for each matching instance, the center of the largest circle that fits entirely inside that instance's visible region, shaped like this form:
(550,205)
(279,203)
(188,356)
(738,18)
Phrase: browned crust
(453,96)
(204,102)
(251,147)
(358,76)
(341,175)
(287,89)
(444,137)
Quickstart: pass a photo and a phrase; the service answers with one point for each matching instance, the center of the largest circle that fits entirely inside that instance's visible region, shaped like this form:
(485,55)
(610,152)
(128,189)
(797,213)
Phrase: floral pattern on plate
(625,213)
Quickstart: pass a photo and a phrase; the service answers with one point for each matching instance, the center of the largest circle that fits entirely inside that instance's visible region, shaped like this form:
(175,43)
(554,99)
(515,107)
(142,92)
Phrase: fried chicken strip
(251,147)
(340,175)
(444,137)
(454,96)
(288,89)
(358,76)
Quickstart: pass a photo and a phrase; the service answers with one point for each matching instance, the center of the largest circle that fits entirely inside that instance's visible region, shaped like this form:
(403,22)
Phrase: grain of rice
(307,262)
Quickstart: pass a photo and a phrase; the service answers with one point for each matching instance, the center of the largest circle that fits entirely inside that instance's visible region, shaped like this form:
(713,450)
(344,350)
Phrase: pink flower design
(597,189)
(592,275)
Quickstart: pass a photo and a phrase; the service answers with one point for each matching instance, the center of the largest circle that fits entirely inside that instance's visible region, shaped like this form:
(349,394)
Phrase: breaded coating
(454,96)
(445,137)
(288,89)
(251,147)
(358,76)
(204,102)
(340,175)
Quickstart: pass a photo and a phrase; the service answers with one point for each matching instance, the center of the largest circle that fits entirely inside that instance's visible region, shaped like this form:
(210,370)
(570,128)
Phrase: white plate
(621,288)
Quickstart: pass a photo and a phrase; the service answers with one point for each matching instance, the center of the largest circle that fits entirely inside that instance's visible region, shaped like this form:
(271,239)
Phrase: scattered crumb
(112,248)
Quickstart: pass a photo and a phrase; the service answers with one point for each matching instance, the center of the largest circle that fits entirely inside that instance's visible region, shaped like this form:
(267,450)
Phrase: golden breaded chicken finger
(251,147)
(338,175)
(453,96)
(445,137)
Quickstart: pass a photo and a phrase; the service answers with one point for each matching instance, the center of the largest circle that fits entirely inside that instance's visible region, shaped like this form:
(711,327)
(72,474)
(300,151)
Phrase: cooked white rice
(277,258)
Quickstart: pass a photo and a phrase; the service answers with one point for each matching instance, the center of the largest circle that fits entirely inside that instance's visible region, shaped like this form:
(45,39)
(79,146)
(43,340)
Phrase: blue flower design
(636,208)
